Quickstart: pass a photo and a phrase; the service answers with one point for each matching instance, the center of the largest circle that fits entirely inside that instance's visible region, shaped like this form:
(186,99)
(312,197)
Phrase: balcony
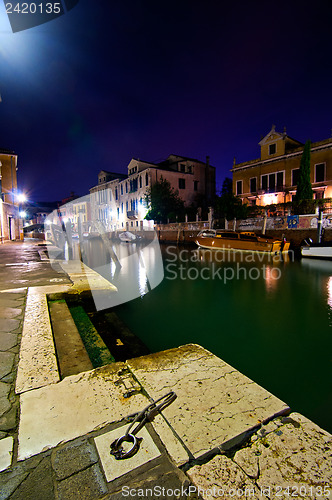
(132,214)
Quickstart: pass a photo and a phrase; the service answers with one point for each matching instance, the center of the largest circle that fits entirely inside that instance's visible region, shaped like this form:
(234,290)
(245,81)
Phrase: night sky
(109,81)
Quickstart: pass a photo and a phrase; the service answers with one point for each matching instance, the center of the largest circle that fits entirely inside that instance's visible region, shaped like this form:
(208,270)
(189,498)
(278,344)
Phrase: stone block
(7,341)
(38,484)
(6,452)
(75,406)
(222,478)
(6,363)
(216,407)
(73,457)
(297,454)
(8,325)
(88,485)
(9,312)
(37,365)
(116,468)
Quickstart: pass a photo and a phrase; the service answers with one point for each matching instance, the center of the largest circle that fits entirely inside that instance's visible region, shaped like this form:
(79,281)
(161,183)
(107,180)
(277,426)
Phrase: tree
(162,201)
(304,193)
(228,205)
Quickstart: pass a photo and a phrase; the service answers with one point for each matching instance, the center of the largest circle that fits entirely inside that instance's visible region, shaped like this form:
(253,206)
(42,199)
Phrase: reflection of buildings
(118,200)
(273,177)
(9,216)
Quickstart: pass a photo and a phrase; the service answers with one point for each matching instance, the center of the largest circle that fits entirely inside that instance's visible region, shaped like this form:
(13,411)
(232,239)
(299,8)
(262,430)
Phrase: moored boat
(240,240)
(321,250)
(128,237)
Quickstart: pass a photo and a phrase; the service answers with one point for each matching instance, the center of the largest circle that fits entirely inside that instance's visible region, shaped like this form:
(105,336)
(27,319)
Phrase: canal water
(269,317)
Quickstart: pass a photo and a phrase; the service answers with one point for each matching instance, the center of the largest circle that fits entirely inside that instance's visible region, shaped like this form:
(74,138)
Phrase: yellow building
(9,217)
(272,178)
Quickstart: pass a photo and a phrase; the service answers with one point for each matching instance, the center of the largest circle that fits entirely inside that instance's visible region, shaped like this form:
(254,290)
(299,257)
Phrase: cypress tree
(303,203)
(304,190)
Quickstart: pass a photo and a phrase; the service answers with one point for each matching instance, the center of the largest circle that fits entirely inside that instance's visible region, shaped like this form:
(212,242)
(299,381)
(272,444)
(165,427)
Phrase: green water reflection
(272,323)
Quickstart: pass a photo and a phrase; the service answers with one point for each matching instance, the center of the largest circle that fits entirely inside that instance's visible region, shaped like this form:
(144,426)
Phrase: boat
(128,237)
(240,240)
(322,250)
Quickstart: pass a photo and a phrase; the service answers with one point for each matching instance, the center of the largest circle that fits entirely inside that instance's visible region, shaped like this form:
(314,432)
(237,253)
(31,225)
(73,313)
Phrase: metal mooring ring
(118,452)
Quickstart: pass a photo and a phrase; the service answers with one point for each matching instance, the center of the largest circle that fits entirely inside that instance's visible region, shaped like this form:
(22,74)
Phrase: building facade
(9,206)
(273,177)
(118,201)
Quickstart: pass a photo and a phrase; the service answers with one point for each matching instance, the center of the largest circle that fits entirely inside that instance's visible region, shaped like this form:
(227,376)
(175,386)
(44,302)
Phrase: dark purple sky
(109,81)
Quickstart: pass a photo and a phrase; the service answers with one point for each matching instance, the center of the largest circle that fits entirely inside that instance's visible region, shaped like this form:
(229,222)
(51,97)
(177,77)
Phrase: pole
(319,226)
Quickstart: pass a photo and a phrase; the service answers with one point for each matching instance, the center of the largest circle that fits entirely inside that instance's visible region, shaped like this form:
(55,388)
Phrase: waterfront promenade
(223,437)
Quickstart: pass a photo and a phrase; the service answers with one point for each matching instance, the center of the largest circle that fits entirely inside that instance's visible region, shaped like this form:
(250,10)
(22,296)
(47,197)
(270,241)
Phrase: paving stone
(9,379)
(6,452)
(298,454)
(73,457)
(38,485)
(75,406)
(10,301)
(222,478)
(4,389)
(7,341)
(37,365)
(113,468)
(217,406)
(157,482)
(8,421)
(10,480)
(9,312)
(4,405)
(7,325)
(6,363)
(88,485)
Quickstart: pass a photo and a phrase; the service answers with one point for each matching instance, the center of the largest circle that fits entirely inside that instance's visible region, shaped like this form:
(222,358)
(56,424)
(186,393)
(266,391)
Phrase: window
(195,185)
(146,179)
(116,193)
(319,195)
(295,176)
(126,187)
(238,187)
(320,172)
(272,149)
(280,181)
(182,184)
(272,182)
(253,185)
(190,169)
(182,167)
(264,182)
(121,189)
(140,181)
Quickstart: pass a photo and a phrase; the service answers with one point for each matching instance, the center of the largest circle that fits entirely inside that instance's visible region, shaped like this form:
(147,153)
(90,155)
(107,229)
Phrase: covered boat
(240,240)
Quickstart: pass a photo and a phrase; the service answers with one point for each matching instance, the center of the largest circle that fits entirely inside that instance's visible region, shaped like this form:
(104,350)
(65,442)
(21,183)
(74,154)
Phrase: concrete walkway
(223,437)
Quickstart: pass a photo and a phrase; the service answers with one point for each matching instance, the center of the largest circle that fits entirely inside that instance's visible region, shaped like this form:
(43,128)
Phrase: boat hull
(237,244)
(321,252)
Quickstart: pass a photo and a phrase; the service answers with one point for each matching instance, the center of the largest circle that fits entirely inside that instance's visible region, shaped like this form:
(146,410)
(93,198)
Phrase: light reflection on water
(267,316)
(276,331)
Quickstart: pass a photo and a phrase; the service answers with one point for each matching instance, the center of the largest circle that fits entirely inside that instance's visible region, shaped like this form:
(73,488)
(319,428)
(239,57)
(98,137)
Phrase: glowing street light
(21,198)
